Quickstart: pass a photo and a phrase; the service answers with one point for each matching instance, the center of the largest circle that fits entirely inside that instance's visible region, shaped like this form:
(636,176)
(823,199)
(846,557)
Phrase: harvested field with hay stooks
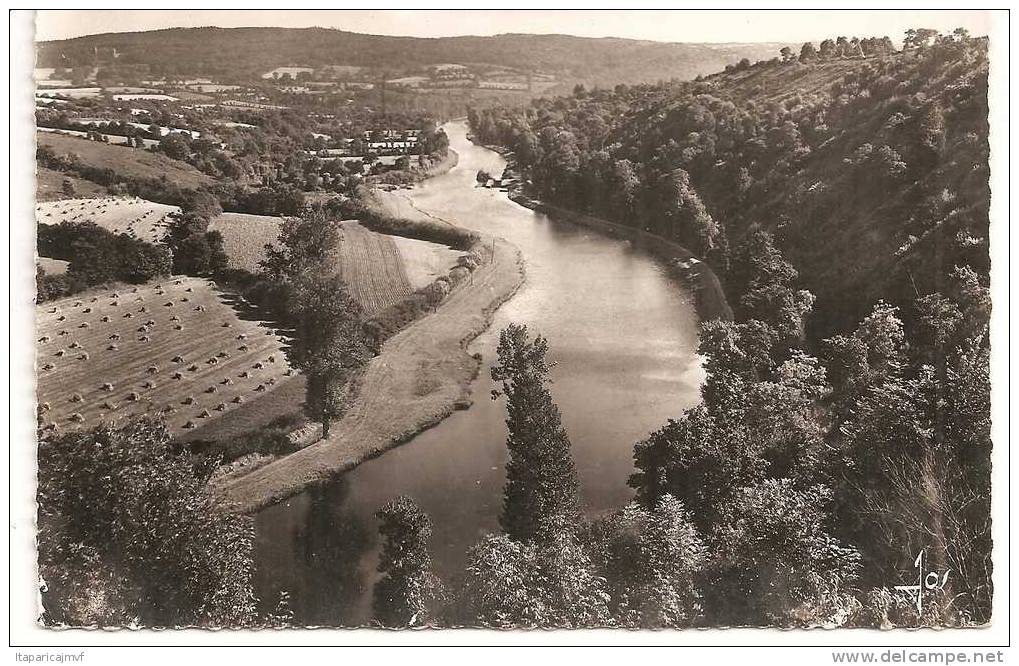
(52,266)
(176,348)
(50,185)
(138,218)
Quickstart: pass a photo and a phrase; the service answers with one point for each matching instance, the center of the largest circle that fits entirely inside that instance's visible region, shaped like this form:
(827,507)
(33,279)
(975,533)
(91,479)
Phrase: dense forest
(869,166)
(237,53)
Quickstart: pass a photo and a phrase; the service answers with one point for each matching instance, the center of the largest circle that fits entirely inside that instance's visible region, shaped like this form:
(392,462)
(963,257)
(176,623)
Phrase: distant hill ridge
(248,51)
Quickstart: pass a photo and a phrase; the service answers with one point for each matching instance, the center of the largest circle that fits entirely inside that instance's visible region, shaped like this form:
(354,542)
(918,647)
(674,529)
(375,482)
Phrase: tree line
(797,493)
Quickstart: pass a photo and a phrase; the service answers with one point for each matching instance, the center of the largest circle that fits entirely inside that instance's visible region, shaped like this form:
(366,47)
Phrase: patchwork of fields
(125,161)
(138,218)
(49,185)
(178,348)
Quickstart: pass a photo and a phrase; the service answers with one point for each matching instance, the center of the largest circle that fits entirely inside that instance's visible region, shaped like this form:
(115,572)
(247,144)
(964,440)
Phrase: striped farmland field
(372,267)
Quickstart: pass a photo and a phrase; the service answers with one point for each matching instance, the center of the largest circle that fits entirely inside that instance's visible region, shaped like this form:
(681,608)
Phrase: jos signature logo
(928,582)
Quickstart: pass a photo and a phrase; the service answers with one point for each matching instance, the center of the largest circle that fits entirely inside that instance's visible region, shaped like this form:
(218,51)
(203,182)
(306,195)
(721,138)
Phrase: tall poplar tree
(541,494)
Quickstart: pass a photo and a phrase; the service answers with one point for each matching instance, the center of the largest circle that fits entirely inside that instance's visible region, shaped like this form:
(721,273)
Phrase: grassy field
(245,237)
(423,262)
(138,218)
(49,185)
(130,162)
(422,374)
(52,266)
(286,399)
(178,348)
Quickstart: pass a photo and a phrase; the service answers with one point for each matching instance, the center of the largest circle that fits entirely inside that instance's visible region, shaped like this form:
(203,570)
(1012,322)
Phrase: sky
(660,25)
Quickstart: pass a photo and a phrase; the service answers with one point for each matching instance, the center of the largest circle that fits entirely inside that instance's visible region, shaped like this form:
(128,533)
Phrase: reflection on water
(313,544)
(623,336)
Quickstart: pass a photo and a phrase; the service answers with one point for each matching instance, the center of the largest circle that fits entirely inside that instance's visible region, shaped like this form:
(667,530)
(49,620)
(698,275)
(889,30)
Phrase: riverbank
(416,174)
(709,296)
(421,375)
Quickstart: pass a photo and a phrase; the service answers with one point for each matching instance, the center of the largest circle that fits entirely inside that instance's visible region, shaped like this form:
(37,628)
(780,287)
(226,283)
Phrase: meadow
(125,161)
(423,261)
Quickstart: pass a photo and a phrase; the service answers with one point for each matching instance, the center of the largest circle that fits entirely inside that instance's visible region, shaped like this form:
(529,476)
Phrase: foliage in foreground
(408,593)
(129,536)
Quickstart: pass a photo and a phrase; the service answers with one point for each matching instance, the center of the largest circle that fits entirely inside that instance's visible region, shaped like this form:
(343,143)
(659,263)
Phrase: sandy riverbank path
(421,375)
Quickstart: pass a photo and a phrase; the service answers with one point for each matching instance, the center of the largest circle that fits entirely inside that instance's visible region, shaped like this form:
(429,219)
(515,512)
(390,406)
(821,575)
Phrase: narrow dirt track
(422,374)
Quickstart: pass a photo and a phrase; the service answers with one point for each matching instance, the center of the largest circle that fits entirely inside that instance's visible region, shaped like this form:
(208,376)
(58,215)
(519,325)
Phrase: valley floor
(422,374)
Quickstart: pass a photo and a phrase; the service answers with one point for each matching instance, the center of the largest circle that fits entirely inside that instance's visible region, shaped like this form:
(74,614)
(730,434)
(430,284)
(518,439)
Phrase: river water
(623,335)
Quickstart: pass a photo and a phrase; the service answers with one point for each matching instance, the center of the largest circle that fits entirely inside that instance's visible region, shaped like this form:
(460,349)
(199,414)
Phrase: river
(623,335)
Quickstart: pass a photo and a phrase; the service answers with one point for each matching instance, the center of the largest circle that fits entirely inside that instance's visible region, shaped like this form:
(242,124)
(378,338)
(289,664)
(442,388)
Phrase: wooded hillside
(870,167)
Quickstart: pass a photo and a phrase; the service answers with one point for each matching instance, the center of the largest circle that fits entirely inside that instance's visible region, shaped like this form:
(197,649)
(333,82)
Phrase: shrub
(98,256)
(271,439)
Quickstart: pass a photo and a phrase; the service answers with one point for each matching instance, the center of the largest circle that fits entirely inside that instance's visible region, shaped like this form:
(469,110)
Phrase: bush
(272,439)
(98,256)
